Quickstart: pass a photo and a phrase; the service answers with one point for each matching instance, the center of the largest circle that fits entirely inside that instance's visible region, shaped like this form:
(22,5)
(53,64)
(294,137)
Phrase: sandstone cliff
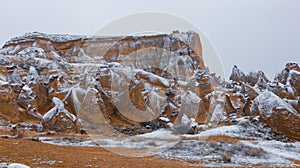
(133,85)
(54,79)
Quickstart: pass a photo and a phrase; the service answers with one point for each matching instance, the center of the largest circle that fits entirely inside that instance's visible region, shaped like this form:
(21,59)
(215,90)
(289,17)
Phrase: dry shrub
(225,157)
(253,152)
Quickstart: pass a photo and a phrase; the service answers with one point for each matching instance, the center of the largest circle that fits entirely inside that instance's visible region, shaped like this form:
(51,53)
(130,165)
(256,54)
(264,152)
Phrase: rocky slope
(277,102)
(137,84)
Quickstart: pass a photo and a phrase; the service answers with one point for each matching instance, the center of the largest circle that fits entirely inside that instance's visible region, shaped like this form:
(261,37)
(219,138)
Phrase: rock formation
(53,79)
(275,102)
(278,114)
(135,84)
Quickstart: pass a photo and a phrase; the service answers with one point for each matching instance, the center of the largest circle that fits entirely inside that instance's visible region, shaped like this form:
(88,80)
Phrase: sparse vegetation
(20,133)
(254,152)
(225,157)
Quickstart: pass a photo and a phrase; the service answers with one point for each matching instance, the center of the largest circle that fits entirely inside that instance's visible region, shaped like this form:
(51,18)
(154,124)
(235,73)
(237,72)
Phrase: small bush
(225,157)
(255,152)
(152,143)
(20,133)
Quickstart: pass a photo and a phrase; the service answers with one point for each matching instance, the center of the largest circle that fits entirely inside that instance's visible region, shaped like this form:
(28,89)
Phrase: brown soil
(216,139)
(36,154)
(294,161)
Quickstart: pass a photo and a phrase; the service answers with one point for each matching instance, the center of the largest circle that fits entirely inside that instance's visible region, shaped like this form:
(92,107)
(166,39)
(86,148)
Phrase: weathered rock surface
(276,102)
(135,84)
(237,75)
(278,114)
(54,79)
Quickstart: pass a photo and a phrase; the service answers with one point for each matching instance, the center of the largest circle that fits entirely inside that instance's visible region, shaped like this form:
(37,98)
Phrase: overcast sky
(253,34)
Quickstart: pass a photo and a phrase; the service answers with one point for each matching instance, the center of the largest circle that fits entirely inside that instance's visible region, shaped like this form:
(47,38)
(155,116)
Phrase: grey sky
(254,34)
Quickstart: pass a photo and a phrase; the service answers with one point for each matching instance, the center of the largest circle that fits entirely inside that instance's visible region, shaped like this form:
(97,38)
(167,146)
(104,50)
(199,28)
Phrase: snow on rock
(27,37)
(160,134)
(293,81)
(32,52)
(27,89)
(155,79)
(282,77)
(156,98)
(33,76)
(13,165)
(261,82)
(58,118)
(218,108)
(2,83)
(253,77)
(237,75)
(268,101)
(165,119)
(231,131)
(185,120)
(190,105)
(59,107)
(10,50)
(242,130)
(14,78)
(277,113)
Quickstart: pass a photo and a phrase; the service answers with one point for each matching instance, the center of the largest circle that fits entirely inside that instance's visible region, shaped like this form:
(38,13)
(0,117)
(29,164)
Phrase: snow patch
(162,134)
(153,78)
(59,107)
(13,165)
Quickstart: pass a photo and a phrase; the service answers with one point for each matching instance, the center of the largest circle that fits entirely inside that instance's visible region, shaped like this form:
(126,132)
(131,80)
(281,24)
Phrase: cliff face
(125,81)
(128,50)
(135,84)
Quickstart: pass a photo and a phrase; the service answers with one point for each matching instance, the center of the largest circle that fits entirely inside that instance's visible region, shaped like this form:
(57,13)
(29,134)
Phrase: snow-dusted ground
(140,145)
(251,151)
(137,143)
(286,150)
(159,139)
(223,154)
(204,153)
(254,150)
(149,143)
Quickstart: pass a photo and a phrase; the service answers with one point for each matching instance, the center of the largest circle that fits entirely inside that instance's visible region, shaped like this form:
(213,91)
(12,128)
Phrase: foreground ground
(229,146)
(37,154)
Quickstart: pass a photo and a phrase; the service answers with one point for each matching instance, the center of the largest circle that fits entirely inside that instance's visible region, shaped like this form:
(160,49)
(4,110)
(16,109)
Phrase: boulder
(277,114)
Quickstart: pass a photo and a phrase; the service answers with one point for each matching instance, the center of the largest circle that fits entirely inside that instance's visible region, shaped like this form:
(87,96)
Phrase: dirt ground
(37,154)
